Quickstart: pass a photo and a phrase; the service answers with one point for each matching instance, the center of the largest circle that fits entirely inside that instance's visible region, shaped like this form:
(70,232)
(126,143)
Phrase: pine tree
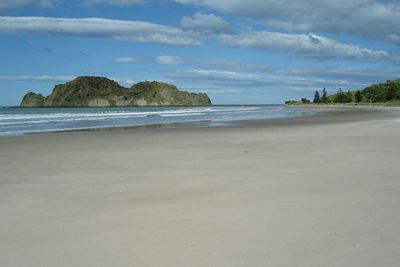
(390,93)
(340,97)
(358,96)
(324,98)
(316,97)
(305,101)
(349,96)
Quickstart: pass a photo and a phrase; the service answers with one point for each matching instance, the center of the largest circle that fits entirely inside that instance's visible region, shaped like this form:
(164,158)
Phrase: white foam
(117,113)
(66,120)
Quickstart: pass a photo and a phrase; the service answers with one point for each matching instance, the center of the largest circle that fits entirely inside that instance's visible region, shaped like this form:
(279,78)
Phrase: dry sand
(320,191)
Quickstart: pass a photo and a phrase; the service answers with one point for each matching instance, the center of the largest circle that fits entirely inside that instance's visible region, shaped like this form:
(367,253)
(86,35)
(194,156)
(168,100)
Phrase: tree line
(339,97)
(388,91)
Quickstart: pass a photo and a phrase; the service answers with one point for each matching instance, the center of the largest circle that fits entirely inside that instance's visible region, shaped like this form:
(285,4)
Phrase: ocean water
(18,121)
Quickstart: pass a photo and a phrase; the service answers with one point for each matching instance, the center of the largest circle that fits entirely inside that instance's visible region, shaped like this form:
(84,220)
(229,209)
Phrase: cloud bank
(50,78)
(168,60)
(302,45)
(126,60)
(137,31)
(299,45)
(377,19)
(15,4)
(207,23)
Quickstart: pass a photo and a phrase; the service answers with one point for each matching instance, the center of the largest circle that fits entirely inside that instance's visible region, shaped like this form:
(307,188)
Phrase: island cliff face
(32,100)
(102,92)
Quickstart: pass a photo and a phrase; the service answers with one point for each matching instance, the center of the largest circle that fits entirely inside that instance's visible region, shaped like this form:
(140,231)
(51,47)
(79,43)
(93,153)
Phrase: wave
(116,113)
(22,121)
(53,130)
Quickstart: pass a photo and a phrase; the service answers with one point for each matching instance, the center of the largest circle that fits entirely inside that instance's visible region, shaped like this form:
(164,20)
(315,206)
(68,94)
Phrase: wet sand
(313,191)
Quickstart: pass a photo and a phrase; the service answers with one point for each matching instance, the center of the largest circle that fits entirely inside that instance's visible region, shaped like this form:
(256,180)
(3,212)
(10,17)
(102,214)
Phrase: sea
(20,121)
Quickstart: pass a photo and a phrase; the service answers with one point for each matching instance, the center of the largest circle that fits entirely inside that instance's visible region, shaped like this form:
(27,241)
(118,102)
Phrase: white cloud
(216,75)
(208,23)
(354,75)
(14,4)
(114,2)
(302,45)
(168,60)
(40,78)
(126,60)
(123,81)
(376,19)
(394,38)
(57,79)
(137,31)
(230,79)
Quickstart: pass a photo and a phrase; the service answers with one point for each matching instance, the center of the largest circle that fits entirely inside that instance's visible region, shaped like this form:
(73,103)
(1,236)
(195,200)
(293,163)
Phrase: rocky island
(89,91)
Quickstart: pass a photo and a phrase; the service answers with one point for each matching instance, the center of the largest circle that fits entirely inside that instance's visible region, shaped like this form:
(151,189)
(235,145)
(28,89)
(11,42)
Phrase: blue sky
(236,51)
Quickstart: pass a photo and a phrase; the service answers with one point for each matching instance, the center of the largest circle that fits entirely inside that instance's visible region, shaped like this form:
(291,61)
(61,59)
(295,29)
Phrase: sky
(236,51)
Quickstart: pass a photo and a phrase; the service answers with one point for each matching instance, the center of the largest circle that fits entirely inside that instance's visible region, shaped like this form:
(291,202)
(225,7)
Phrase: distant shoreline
(383,104)
(146,107)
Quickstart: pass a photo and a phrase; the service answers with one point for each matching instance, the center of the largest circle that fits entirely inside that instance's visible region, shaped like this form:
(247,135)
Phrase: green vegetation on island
(89,91)
(387,93)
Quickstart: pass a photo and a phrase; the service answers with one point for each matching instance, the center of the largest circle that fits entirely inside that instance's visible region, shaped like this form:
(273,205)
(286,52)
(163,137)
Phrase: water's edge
(18,121)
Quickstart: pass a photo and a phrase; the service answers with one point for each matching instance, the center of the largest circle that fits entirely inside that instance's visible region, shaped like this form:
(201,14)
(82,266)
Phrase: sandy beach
(312,191)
